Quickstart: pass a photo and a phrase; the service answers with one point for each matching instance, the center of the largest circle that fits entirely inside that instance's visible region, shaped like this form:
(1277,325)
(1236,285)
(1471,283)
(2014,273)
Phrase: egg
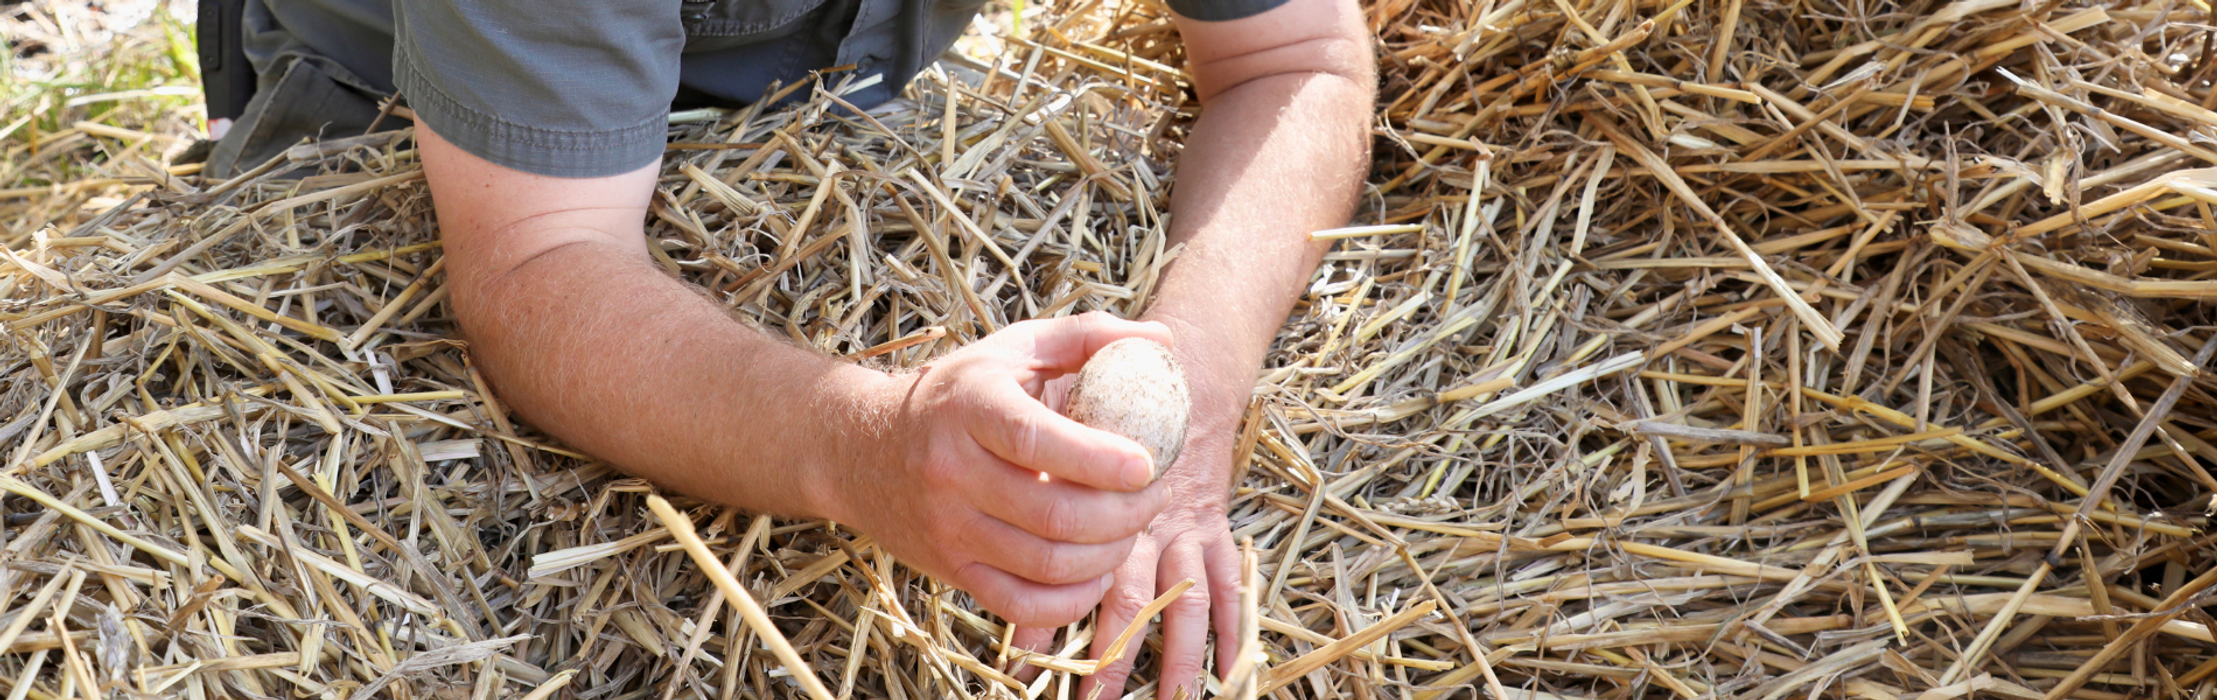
(1135,388)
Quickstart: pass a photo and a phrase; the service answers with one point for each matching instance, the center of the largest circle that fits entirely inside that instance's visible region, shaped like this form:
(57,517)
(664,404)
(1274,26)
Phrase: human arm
(591,342)
(1278,151)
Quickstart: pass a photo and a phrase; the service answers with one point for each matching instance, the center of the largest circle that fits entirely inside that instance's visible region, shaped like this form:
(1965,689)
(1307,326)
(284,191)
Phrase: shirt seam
(739,27)
(418,87)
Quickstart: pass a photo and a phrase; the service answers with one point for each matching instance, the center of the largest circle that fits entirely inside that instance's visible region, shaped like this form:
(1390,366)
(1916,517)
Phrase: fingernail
(1138,473)
(1107,580)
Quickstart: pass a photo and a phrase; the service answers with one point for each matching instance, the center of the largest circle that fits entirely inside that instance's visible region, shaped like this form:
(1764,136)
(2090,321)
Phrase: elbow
(487,290)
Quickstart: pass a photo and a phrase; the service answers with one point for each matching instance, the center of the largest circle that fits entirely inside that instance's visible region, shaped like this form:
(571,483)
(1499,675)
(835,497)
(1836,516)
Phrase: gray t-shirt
(583,88)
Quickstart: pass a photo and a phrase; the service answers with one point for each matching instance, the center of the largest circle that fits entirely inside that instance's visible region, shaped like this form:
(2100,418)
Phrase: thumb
(1058,346)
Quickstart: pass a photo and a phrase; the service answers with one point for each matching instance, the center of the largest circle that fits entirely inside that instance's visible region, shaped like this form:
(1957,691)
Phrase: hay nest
(1693,349)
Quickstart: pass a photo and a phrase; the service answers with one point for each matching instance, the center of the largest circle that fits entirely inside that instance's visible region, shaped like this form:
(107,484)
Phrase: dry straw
(1679,350)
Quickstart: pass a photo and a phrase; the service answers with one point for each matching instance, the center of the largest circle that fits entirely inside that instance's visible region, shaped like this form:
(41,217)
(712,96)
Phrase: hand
(1191,539)
(985,487)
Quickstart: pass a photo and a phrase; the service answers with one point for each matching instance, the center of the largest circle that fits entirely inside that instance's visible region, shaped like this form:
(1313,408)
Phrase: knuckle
(1019,609)
(1024,330)
(940,469)
(969,530)
(1142,509)
(1193,600)
(1060,522)
(1096,322)
(1053,565)
(968,576)
(1029,610)
(1127,599)
(938,527)
(1064,564)
(1023,432)
(1007,604)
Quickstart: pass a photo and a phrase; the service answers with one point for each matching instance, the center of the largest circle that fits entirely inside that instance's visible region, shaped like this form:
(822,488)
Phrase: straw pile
(1686,349)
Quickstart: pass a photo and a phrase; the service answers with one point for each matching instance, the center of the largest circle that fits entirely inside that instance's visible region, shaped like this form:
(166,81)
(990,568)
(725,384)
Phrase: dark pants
(289,71)
(262,74)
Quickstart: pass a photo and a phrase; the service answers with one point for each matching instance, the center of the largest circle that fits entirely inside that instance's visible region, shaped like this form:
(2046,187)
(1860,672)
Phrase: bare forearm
(584,337)
(1269,161)
(595,345)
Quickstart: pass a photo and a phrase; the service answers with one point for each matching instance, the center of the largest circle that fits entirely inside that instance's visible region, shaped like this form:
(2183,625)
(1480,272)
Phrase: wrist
(1219,370)
(1220,374)
(852,431)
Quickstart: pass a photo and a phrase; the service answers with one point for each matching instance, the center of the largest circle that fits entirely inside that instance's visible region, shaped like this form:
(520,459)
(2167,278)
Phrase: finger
(1062,345)
(1185,624)
(1014,551)
(1063,511)
(1018,428)
(1135,588)
(1056,393)
(1037,640)
(1223,562)
(1026,603)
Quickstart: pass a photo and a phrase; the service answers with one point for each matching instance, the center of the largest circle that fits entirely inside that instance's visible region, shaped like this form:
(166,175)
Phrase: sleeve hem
(536,150)
(1221,10)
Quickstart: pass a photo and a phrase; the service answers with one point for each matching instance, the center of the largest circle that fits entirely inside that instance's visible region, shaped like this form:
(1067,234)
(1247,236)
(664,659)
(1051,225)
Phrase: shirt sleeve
(1221,10)
(565,88)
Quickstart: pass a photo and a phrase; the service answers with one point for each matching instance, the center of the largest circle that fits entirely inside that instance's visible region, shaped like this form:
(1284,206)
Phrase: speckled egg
(1135,388)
